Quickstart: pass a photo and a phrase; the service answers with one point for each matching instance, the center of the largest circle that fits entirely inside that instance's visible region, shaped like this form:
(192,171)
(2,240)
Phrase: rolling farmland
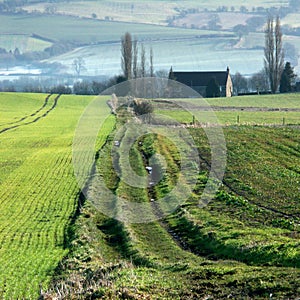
(144,12)
(94,29)
(138,222)
(89,31)
(244,243)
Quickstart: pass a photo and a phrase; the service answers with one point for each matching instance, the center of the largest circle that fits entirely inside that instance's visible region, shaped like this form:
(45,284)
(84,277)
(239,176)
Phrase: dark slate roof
(200,78)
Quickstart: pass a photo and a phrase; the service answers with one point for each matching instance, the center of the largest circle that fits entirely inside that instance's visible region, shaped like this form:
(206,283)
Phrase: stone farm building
(199,81)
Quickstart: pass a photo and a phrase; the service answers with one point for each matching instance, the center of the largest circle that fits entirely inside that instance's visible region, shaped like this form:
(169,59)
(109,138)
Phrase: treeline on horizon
(256,84)
(15,57)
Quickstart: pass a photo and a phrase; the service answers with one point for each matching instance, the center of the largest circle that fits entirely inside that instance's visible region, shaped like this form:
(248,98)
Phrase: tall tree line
(273,52)
(134,63)
(126,51)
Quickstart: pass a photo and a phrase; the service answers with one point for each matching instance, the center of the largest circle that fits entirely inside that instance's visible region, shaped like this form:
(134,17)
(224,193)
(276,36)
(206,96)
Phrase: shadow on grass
(118,238)
(209,245)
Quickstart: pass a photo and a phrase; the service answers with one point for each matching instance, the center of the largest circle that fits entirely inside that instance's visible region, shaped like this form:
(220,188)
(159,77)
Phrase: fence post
(238,119)
(283,121)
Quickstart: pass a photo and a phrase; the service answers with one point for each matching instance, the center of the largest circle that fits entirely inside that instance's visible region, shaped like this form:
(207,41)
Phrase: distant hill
(206,35)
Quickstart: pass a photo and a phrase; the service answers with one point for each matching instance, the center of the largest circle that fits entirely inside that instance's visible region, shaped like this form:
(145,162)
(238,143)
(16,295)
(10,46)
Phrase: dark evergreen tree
(213,88)
(287,78)
(285,86)
(171,74)
(17,53)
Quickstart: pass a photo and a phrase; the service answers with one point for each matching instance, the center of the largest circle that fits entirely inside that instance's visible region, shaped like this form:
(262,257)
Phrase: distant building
(199,81)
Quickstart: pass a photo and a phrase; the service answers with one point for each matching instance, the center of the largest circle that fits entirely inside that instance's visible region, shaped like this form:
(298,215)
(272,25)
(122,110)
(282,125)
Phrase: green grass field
(244,244)
(39,191)
(247,110)
(14,108)
(239,118)
(267,101)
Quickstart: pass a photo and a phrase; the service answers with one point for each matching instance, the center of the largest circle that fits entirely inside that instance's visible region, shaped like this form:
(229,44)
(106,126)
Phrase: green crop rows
(39,192)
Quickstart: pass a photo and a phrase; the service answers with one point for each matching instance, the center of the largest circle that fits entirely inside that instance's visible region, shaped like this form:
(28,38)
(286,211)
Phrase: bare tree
(126,51)
(135,59)
(131,66)
(259,82)
(78,65)
(143,61)
(151,63)
(274,56)
(239,83)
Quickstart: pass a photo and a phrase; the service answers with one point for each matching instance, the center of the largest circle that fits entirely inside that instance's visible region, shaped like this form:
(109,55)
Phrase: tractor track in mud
(31,115)
(34,114)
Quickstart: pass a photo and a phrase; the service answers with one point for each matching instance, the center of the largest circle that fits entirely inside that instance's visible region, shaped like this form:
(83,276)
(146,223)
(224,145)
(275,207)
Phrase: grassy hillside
(86,31)
(243,244)
(39,190)
(15,108)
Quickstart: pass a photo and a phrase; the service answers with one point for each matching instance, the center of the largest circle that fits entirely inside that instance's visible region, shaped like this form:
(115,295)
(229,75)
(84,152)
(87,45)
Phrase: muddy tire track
(159,213)
(164,224)
(34,114)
